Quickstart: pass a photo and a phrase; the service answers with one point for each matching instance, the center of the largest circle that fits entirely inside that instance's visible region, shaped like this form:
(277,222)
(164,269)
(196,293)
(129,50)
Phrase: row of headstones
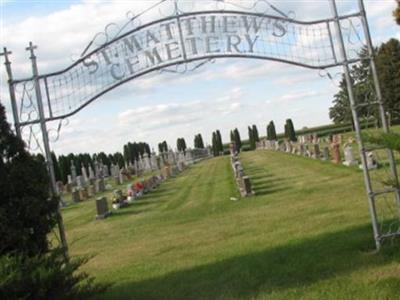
(243,181)
(147,163)
(138,189)
(135,191)
(83,193)
(328,153)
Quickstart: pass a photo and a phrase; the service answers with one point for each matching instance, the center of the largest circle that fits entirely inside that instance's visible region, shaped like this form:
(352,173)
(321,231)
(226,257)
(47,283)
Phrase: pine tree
(179,144)
(214,144)
(251,138)
(271,132)
(127,154)
(388,69)
(220,146)
(255,134)
(290,133)
(238,141)
(200,142)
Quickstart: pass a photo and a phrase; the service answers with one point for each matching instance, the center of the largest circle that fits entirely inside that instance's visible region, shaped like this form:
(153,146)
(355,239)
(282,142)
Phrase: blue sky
(227,94)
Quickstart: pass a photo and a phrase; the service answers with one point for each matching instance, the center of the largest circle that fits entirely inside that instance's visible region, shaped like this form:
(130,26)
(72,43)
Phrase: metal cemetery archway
(190,39)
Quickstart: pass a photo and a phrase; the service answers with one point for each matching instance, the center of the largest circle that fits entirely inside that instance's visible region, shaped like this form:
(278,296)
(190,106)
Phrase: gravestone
(84,174)
(166,172)
(91,190)
(371,161)
(60,187)
(349,158)
(189,156)
(325,154)
(102,208)
(307,152)
(75,195)
(317,152)
(121,177)
(335,147)
(147,162)
(73,173)
(70,179)
(153,161)
(80,182)
(99,185)
(68,188)
(97,169)
(91,173)
(301,149)
(83,194)
(174,171)
(246,187)
(181,166)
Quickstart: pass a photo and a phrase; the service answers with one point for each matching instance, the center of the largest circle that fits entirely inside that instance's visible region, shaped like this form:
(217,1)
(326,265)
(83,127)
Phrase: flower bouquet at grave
(131,193)
(138,188)
(119,200)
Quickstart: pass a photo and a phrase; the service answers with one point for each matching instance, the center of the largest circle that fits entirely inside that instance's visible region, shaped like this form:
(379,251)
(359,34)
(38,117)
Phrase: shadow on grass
(270,190)
(293,265)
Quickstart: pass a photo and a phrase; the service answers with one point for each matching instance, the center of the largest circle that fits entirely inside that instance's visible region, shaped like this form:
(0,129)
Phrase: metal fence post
(379,97)
(47,145)
(349,83)
(7,63)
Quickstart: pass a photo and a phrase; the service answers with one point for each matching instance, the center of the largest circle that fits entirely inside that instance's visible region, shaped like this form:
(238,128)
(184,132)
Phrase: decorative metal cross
(5,54)
(31,48)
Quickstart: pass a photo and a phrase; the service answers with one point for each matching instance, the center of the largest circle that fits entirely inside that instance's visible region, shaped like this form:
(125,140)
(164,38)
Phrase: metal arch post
(379,97)
(11,88)
(350,88)
(46,145)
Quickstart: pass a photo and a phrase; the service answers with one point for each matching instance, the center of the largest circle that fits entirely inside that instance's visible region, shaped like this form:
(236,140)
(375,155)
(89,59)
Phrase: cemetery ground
(305,235)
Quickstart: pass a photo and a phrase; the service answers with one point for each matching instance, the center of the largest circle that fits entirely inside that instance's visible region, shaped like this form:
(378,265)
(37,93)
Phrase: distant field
(306,235)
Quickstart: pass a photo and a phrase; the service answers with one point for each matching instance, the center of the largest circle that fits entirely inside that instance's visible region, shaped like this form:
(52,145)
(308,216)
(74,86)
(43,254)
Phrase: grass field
(306,235)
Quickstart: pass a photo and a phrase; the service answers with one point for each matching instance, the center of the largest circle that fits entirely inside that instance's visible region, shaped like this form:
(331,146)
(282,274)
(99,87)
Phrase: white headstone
(84,174)
(348,156)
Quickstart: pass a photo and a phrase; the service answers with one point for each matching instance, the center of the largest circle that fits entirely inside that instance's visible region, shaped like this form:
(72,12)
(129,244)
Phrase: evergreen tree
(181,144)
(127,154)
(232,136)
(220,146)
(290,133)
(255,134)
(238,141)
(110,159)
(119,159)
(201,142)
(252,141)
(27,212)
(163,147)
(147,149)
(388,68)
(214,144)
(63,164)
(271,132)
(30,268)
(198,142)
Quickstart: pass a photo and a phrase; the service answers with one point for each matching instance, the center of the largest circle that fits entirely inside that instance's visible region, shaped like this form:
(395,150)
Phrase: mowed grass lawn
(306,235)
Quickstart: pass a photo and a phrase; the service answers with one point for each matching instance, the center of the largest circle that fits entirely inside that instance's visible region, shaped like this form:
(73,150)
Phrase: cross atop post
(5,53)
(31,48)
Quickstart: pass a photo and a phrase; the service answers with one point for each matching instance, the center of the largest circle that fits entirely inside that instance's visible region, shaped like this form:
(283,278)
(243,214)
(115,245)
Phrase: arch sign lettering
(172,36)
